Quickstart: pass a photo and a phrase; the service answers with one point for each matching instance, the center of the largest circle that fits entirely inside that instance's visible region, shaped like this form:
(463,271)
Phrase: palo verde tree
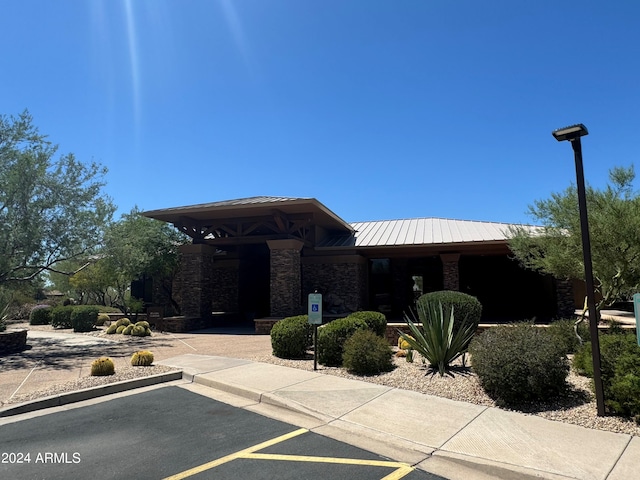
(137,245)
(52,208)
(614,227)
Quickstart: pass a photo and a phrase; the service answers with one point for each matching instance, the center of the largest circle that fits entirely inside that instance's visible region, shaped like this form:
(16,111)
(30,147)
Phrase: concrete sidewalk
(449,438)
(454,439)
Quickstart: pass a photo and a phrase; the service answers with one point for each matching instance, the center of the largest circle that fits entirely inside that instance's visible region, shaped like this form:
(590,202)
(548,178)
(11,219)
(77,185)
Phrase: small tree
(51,209)
(614,226)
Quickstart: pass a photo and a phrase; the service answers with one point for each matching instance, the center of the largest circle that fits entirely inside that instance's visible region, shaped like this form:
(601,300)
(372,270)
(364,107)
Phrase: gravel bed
(578,406)
(122,373)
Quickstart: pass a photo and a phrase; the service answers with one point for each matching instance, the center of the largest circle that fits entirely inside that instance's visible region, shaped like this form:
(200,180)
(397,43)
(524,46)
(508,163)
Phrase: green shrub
(516,363)
(376,321)
(466,307)
(61,316)
(564,332)
(102,319)
(331,338)
(620,371)
(40,315)
(438,337)
(83,318)
(366,353)
(143,358)
(102,366)
(291,336)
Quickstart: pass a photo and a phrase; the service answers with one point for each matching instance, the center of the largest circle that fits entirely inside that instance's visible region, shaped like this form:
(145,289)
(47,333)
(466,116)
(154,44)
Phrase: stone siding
(13,341)
(346,279)
(285,283)
(564,298)
(226,277)
(451,271)
(196,262)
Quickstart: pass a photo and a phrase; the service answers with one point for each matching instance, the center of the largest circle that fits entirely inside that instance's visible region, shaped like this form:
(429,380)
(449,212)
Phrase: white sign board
(315,309)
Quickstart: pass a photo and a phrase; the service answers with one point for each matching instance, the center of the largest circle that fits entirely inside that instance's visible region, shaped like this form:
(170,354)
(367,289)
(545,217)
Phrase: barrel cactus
(112,329)
(123,322)
(128,329)
(102,367)
(143,358)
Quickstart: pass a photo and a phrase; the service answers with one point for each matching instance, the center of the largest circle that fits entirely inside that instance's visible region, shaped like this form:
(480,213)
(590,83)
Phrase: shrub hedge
(291,336)
(366,353)
(83,318)
(521,362)
(466,308)
(620,371)
(376,321)
(331,338)
(61,316)
(40,315)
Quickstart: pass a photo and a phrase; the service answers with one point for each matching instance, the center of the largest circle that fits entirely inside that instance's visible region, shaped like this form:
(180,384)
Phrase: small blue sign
(314,307)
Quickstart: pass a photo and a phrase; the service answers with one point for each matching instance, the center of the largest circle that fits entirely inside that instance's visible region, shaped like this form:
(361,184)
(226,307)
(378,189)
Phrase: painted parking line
(401,469)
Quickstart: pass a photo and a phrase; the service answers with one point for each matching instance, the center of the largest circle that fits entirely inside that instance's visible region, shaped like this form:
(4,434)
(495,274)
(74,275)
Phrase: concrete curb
(89,393)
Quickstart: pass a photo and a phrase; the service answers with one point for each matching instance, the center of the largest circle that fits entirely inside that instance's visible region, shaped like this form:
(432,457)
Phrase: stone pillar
(450,271)
(564,298)
(196,266)
(285,284)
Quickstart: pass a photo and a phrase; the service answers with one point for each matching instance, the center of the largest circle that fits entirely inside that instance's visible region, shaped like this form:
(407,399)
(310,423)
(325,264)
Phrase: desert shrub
(521,362)
(564,332)
(61,316)
(291,336)
(123,322)
(437,336)
(102,366)
(331,338)
(83,318)
(366,353)
(376,321)
(102,319)
(466,308)
(143,358)
(112,329)
(620,371)
(40,315)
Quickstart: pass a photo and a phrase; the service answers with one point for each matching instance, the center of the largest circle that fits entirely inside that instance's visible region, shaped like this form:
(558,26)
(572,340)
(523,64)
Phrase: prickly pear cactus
(102,367)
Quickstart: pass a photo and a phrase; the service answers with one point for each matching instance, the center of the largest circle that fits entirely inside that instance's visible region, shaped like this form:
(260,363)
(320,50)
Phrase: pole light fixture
(573,134)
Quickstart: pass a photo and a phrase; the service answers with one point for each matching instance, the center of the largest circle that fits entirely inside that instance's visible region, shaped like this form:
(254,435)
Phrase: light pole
(573,134)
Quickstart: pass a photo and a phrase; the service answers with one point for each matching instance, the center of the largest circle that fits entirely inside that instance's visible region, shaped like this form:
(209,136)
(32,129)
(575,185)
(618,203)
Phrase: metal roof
(420,231)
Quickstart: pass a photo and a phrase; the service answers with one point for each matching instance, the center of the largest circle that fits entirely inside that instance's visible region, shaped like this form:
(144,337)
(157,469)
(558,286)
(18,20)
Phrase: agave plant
(432,337)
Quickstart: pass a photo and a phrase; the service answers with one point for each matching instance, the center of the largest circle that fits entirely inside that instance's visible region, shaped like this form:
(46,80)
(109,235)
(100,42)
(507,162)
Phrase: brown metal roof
(252,207)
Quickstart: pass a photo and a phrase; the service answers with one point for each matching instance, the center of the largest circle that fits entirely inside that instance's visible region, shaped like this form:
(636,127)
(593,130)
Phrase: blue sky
(379,109)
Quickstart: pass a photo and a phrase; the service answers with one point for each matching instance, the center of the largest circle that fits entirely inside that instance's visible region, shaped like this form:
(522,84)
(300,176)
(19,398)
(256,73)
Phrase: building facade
(261,256)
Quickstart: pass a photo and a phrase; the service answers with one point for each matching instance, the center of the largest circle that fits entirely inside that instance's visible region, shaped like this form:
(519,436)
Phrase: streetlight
(573,134)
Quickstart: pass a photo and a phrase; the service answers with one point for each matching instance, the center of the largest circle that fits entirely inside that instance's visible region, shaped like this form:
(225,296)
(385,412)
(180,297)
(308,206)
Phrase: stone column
(564,298)
(285,284)
(196,266)
(450,271)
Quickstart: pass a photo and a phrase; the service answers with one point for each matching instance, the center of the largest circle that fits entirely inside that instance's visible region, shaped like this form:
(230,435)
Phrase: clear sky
(379,109)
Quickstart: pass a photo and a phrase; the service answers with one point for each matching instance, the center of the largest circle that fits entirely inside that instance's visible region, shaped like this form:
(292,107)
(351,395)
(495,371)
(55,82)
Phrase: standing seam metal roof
(420,231)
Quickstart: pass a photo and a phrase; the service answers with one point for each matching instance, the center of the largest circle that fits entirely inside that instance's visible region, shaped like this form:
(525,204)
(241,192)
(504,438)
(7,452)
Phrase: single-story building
(262,256)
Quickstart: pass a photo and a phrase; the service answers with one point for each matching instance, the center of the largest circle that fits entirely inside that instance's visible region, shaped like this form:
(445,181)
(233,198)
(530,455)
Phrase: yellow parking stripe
(233,456)
(401,469)
(307,458)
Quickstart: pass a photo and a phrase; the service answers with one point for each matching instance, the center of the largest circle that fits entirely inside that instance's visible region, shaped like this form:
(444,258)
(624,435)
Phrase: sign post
(636,310)
(315,319)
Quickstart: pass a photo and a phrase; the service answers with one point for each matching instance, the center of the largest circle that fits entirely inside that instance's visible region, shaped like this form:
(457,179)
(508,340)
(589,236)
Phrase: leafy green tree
(137,245)
(52,208)
(614,226)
